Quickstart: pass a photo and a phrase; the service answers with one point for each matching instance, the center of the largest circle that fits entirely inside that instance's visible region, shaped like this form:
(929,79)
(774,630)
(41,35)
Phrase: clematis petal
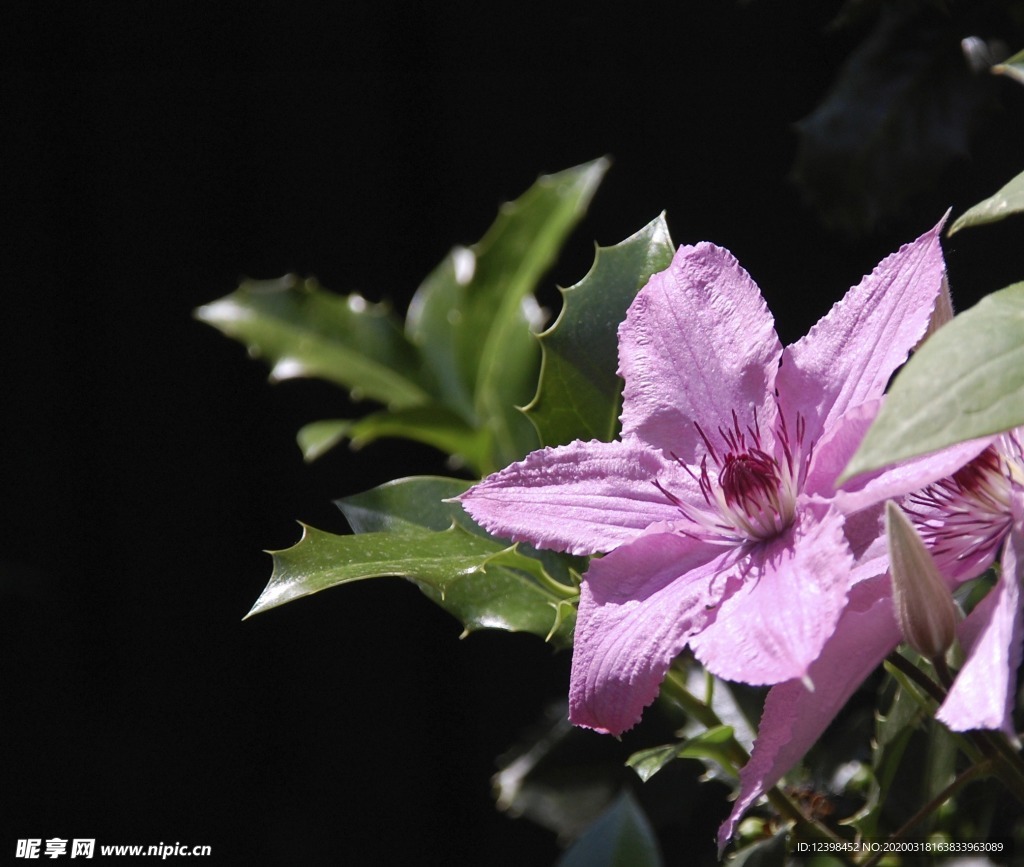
(983,693)
(638,607)
(833,452)
(697,344)
(848,357)
(791,593)
(581,498)
(794,717)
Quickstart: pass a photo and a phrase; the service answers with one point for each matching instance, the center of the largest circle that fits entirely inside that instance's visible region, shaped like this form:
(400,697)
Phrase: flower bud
(924,606)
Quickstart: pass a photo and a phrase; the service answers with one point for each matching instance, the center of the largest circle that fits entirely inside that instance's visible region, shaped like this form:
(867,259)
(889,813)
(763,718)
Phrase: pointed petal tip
(580,718)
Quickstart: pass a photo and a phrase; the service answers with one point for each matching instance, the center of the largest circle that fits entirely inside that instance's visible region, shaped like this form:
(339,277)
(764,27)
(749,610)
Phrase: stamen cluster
(753,495)
(969,513)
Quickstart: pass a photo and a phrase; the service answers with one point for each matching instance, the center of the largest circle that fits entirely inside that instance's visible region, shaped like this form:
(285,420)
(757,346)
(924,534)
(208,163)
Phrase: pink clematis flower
(969,504)
(965,520)
(716,511)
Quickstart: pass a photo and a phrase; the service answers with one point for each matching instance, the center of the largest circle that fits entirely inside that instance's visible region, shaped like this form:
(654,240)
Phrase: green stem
(974,771)
(942,670)
(905,666)
(1006,762)
(806,827)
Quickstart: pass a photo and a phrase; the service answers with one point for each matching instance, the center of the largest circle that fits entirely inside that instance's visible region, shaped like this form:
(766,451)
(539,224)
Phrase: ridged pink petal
(638,607)
(581,498)
(697,344)
(832,452)
(835,448)
(982,696)
(790,594)
(848,357)
(794,717)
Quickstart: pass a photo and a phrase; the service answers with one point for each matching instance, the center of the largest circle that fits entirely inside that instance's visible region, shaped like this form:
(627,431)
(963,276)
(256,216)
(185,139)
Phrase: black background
(156,152)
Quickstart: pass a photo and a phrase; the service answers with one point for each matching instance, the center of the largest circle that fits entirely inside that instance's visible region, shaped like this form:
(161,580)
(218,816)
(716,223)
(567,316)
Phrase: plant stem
(898,660)
(1006,762)
(974,771)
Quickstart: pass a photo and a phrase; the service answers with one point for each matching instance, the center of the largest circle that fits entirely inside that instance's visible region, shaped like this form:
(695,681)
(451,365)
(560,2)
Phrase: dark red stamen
(749,480)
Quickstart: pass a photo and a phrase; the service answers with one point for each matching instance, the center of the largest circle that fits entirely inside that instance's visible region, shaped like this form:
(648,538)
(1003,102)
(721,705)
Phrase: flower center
(750,490)
(755,495)
(967,514)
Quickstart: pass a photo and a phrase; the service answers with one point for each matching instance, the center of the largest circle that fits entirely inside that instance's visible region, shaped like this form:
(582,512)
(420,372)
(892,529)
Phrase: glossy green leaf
(406,529)
(409,505)
(425,502)
(1012,67)
(451,567)
(578,396)
(467,358)
(1007,201)
(966,381)
(473,316)
(621,837)
(304,331)
(712,745)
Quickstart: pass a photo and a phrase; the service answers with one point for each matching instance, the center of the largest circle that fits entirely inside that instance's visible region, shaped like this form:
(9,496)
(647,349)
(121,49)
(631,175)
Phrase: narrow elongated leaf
(1012,67)
(1008,200)
(472,317)
(303,330)
(319,437)
(712,745)
(578,396)
(621,837)
(965,382)
(433,425)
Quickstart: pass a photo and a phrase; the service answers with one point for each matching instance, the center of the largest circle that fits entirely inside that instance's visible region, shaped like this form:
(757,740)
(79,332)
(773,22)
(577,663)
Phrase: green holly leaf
(966,381)
(304,331)
(408,505)
(1008,200)
(621,837)
(473,318)
(578,395)
(406,529)
(467,356)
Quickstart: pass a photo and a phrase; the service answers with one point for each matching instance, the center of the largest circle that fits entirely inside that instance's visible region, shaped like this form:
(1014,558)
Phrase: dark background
(156,152)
